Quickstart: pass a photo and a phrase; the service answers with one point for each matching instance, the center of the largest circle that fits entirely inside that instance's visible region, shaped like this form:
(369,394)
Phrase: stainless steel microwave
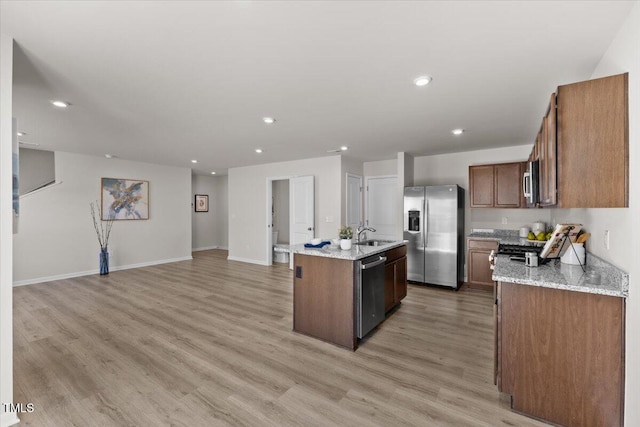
(531,183)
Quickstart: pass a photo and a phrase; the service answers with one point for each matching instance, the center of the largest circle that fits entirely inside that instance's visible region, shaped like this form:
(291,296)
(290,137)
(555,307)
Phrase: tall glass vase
(104,261)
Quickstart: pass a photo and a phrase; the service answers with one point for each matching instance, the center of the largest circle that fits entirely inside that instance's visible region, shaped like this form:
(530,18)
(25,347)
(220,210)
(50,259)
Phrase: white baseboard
(205,248)
(208,248)
(250,261)
(96,271)
(8,419)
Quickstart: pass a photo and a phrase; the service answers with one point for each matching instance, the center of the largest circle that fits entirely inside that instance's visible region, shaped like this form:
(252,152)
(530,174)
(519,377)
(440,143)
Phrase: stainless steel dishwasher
(370,293)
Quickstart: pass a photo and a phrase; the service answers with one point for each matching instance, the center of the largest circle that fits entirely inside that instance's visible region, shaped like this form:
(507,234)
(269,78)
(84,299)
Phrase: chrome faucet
(361,229)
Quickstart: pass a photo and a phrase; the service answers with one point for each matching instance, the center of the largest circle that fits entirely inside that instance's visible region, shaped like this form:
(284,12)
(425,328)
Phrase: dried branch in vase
(102,226)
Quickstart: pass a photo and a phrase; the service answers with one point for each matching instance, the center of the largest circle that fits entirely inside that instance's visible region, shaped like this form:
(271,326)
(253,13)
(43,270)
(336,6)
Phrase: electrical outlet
(607,242)
(329,219)
(505,220)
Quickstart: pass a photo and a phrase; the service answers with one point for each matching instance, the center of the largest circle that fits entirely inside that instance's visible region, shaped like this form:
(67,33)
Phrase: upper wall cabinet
(496,186)
(583,146)
(545,151)
(593,143)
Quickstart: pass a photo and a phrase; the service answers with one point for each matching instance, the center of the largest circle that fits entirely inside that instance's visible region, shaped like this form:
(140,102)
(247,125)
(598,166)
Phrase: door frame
(268,217)
(346,214)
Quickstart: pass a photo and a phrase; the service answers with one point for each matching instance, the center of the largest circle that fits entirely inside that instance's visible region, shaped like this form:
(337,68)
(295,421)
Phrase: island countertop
(600,277)
(355,253)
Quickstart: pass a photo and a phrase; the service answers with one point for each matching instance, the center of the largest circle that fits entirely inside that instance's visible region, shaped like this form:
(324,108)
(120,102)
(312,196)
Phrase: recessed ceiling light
(344,148)
(258,150)
(194,161)
(457,131)
(268,120)
(60,104)
(213,173)
(109,156)
(422,80)
(21,133)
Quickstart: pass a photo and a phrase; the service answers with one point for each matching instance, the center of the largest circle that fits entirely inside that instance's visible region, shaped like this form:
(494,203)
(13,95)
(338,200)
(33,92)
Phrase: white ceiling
(167,82)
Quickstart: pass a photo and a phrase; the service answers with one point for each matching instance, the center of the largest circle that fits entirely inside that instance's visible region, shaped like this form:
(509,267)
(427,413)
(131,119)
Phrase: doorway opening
(280,240)
(290,213)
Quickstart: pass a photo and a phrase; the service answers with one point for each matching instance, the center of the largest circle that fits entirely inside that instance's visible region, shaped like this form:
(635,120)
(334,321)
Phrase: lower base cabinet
(478,266)
(395,277)
(560,354)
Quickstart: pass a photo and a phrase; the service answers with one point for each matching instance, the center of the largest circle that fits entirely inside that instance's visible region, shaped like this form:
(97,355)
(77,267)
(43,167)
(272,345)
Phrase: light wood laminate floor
(208,342)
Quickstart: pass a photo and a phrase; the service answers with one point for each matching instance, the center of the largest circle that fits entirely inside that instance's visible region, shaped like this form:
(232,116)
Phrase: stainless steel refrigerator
(433,229)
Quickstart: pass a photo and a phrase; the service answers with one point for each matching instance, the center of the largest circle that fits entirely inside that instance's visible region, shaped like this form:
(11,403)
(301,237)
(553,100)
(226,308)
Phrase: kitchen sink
(374,242)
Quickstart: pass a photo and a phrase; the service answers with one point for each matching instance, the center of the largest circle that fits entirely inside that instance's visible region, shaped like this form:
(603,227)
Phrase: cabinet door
(389,286)
(561,354)
(481,186)
(593,143)
(479,271)
(550,171)
(400,289)
(508,185)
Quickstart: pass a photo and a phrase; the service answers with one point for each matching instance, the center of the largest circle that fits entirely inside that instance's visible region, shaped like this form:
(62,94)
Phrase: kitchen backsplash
(515,218)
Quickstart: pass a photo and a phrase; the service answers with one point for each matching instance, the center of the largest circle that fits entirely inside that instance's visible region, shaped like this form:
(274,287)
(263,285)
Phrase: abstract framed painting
(202,203)
(123,199)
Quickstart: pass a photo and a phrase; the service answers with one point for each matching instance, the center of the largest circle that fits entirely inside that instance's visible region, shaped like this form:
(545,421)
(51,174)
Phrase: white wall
(281,210)
(6,229)
(622,56)
(380,168)
(57,238)
(454,169)
(210,230)
(248,206)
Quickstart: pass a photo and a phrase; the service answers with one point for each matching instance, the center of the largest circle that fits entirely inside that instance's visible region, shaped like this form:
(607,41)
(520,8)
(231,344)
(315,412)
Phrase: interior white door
(383,206)
(354,200)
(301,191)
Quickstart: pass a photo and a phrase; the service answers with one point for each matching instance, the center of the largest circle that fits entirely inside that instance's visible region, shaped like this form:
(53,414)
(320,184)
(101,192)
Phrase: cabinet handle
(526,178)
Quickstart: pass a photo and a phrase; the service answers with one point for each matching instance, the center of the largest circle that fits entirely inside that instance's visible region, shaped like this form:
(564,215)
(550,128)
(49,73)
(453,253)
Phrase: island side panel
(562,354)
(323,299)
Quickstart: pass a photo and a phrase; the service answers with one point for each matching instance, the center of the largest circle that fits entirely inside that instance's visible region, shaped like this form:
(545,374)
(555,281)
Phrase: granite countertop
(600,276)
(355,253)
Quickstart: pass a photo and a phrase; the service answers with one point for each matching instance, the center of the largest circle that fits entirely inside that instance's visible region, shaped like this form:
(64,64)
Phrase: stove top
(517,250)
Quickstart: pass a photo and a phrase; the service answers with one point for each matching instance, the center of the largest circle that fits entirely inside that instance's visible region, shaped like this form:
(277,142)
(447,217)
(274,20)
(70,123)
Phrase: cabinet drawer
(482,244)
(396,253)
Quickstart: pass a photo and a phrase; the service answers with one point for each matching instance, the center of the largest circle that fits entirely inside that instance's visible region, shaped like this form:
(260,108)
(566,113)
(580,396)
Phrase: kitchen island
(328,289)
(559,340)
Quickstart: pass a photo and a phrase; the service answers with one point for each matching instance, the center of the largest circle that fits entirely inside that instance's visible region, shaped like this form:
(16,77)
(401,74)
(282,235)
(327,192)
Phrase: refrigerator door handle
(425,209)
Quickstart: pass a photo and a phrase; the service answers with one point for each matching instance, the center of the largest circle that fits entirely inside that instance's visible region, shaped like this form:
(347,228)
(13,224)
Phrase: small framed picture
(202,203)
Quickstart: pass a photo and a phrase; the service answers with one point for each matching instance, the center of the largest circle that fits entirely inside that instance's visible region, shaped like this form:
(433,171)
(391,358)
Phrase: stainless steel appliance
(433,229)
(531,183)
(370,294)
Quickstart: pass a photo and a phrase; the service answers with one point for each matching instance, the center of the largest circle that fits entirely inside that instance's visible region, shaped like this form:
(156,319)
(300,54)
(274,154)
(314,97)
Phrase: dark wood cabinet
(548,187)
(395,277)
(324,299)
(497,185)
(478,266)
(560,354)
(545,151)
(593,143)
(583,145)
(481,186)
(508,185)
